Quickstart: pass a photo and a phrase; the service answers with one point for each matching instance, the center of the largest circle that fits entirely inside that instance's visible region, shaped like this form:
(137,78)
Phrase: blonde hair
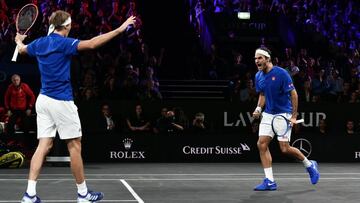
(57,18)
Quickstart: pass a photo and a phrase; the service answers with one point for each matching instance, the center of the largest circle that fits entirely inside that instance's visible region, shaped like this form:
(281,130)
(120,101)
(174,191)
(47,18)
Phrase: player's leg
(69,129)
(76,162)
(77,168)
(310,165)
(265,155)
(36,163)
(46,131)
(265,137)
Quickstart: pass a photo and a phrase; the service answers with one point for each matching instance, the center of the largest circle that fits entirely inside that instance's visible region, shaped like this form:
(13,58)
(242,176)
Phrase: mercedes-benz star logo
(303,145)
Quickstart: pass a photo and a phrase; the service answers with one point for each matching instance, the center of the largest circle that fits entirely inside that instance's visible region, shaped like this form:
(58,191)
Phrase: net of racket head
(25,19)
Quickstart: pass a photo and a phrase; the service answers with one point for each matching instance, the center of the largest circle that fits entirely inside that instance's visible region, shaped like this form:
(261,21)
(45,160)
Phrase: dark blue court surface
(190,182)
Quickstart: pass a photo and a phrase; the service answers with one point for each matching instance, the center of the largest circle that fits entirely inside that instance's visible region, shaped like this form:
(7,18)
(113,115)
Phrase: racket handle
(299,121)
(16,53)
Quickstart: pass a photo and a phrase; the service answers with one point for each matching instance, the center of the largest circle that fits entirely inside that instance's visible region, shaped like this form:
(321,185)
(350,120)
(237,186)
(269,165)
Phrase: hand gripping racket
(25,19)
(281,125)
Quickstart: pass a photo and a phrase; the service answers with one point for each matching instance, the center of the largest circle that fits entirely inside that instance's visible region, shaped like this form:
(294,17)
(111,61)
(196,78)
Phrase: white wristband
(258,109)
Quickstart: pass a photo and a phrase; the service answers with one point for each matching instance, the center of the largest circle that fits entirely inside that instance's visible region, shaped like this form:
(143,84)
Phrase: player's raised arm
(100,40)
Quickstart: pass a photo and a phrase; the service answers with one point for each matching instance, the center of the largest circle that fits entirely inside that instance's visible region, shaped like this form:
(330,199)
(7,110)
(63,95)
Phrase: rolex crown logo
(127,143)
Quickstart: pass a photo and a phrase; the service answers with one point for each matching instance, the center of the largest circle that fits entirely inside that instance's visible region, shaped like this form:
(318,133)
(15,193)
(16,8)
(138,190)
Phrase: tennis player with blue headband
(278,95)
(55,107)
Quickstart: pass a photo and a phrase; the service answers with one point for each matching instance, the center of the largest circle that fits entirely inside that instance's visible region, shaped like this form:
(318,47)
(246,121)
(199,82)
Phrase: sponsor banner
(231,134)
(215,150)
(357,155)
(231,148)
(127,153)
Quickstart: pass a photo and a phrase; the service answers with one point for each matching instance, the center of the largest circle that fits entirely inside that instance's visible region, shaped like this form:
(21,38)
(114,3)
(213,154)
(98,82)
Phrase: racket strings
(27,16)
(280,125)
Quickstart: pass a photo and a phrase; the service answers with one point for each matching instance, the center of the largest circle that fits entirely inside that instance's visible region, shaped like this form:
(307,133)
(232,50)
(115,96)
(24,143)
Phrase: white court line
(132,191)
(181,179)
(177,174)
(72,201)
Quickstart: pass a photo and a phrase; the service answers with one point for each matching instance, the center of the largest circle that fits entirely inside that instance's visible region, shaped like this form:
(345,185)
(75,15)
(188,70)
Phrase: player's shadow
(275,196)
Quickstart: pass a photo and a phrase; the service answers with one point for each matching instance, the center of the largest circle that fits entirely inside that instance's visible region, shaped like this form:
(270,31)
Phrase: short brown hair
(57,18)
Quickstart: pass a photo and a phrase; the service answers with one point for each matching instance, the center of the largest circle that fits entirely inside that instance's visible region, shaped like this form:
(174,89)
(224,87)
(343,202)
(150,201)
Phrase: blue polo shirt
(276,86)
(53,54)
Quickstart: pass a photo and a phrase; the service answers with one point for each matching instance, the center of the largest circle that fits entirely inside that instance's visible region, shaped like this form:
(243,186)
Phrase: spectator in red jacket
(19,101)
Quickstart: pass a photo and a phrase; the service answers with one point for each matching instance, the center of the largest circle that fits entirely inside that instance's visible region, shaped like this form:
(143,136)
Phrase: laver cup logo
(127,153)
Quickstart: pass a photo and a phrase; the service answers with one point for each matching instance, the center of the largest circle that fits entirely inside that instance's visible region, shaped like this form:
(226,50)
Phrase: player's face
(260,61)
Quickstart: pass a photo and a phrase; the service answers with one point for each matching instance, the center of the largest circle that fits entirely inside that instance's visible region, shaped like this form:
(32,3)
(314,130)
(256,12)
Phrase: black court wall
(231,134)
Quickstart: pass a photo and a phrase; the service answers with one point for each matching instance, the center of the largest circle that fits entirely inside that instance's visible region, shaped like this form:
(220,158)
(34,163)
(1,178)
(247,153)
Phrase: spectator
(174,125)
(19,102)
(160,126)
(293,69)
(345,94)
(107,122)
(238,69)
(137,122)
(88,94)
(354,98)
(336,84)
(165,125)
(305,93)
(110,90)
(130,84)
(320,84)
(180,118)
(350,128)
(198,124)
(248,94)
(149,75)
(150,93)
(323,128)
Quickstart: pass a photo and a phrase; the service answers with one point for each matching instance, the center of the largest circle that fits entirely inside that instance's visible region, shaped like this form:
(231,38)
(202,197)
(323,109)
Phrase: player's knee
(45,149)
(262,145)
(74,145)
(284,149)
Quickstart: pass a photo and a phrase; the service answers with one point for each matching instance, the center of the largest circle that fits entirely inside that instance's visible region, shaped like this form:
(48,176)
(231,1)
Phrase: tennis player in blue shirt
(278,95)
(55,108)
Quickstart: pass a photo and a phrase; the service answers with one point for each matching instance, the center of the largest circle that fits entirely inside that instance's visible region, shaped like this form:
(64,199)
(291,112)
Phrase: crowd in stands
(331,76)
(125,68)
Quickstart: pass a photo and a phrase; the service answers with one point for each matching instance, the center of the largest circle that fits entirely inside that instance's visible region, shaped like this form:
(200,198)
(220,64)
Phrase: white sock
(306,163)
(269,173)
(31,188)
(82,189)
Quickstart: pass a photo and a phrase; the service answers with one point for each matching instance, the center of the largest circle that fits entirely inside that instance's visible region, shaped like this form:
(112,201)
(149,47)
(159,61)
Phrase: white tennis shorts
(265,128)
(56,115)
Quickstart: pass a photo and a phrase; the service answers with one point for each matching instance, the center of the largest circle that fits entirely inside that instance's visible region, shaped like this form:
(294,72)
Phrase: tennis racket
(25,19)
(281,125)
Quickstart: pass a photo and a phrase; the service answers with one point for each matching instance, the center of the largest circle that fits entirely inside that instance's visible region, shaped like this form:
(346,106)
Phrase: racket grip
(300,121)
(16,53)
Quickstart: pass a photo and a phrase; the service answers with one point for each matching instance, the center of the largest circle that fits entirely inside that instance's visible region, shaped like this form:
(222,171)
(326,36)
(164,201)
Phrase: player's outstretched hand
(130,21)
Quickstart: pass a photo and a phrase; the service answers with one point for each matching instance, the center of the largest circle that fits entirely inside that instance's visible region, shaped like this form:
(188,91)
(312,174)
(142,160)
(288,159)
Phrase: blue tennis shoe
(90,197)
(313,172)
(266,185)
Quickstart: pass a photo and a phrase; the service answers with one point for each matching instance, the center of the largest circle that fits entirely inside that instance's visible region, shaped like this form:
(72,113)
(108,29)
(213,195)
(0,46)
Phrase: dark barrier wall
(231,135)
